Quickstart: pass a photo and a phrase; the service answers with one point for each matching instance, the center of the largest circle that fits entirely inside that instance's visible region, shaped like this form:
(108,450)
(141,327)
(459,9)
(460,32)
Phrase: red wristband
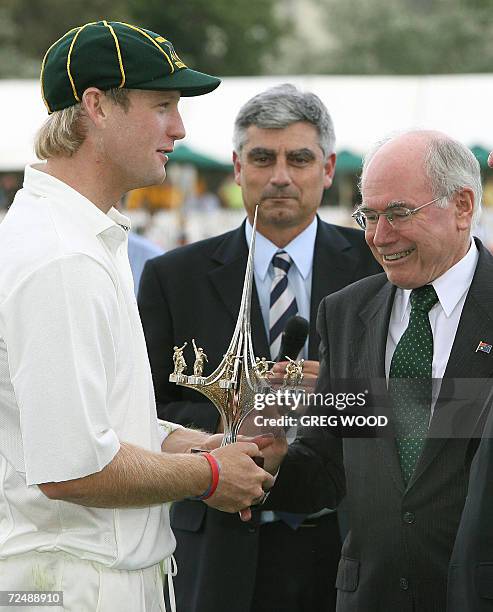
(215,477)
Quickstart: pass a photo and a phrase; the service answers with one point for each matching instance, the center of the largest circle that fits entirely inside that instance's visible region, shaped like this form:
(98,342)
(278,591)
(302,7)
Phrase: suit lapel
(475,325)
(227,277)
(369,352)
(333,269)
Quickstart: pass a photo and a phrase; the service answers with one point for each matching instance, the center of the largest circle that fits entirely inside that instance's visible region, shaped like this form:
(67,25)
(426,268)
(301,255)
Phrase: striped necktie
(283,304)
(410,382)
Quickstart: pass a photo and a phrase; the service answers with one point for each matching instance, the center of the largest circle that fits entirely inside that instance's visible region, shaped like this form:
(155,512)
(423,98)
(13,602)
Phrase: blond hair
(65,130)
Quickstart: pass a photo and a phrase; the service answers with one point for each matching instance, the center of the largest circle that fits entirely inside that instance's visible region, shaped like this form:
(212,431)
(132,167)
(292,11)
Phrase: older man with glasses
(424,319)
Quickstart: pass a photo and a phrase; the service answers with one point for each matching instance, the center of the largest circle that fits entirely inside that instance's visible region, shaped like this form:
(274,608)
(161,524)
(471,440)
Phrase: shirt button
(409,517)
(404,584)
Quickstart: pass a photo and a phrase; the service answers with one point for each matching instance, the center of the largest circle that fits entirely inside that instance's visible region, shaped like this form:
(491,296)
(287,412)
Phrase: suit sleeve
(312,474)
(160,335)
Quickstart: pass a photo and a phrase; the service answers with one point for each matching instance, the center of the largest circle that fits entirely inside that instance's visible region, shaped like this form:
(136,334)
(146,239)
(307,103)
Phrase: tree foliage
(247,37)
(212,35)
(29,27)
(408,36)
(217,36)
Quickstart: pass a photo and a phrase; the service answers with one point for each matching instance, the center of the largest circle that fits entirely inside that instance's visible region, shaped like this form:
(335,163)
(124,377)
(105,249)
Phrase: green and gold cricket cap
(113,54)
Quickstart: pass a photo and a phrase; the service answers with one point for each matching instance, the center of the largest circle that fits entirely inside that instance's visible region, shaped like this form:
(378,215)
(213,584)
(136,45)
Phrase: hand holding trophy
(240,376)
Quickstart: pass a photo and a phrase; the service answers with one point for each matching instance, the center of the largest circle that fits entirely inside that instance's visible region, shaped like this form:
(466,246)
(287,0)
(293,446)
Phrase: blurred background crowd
(379,65)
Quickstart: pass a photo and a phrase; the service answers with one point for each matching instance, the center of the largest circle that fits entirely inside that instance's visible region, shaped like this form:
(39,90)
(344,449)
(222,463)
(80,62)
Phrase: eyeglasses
(397,215)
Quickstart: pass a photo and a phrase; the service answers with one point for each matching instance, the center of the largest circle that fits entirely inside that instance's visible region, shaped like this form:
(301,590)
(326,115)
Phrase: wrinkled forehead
(298,135)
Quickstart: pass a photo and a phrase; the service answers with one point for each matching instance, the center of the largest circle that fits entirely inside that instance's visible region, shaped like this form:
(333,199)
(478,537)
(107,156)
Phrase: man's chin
(279,218)
(401,280)
(151,180)
(279,204)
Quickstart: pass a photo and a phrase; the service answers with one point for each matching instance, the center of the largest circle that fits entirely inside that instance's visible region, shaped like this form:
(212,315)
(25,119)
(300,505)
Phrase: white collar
(450,286)
(300,249)
(70,203)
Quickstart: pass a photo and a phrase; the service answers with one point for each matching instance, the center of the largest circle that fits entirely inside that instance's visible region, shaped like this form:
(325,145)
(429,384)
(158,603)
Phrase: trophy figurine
(200,359)
(262,366)
(294,373)
(233,384)
(179,363)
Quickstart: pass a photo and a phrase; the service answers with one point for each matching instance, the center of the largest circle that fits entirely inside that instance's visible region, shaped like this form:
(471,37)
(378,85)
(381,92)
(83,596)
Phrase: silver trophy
(240,375)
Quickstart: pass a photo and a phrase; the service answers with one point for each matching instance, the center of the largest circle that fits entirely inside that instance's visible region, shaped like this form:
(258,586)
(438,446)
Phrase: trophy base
(195,380)
(177,378)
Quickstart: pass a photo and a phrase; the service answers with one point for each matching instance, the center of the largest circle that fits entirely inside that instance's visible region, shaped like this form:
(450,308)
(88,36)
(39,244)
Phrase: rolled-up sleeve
(61,353)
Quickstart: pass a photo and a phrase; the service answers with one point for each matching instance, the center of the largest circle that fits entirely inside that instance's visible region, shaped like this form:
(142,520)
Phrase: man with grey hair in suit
(284,156)
(421,320)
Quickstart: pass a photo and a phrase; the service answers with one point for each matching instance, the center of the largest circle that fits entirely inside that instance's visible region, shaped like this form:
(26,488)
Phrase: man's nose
(280,175)
(384,232)
(176,129)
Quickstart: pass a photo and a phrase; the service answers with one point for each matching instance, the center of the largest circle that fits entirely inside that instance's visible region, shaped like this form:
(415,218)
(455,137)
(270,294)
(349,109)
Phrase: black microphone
(293,338)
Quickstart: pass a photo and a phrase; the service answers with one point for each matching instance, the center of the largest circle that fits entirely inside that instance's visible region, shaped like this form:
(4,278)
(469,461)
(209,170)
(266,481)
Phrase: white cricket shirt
(74,377)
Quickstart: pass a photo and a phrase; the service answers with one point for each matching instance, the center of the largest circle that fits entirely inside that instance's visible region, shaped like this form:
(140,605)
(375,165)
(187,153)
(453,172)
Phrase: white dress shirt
(74,377)
(300,249)
(451,288)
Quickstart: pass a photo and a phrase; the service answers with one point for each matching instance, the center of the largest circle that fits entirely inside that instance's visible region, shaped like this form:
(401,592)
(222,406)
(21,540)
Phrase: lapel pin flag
(484,347)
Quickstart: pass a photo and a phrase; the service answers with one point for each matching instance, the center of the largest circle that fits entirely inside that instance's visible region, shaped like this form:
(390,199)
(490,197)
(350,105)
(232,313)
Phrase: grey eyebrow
(397,204)
(303,151)
(390,205)
(261,151)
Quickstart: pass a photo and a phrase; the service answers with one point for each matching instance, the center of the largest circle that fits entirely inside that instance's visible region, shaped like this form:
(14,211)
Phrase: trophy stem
(233,384)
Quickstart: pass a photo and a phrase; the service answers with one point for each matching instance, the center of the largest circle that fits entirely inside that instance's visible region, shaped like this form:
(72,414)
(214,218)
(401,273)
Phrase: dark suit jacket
(195,292)
(470,580)
(396,555)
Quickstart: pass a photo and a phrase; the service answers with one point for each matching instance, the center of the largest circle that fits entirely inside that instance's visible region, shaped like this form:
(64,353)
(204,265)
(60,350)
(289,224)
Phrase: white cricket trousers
(86,586)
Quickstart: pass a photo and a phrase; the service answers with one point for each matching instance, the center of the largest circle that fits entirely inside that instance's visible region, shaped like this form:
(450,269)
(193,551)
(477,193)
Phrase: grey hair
(449,165)
(452,166)
(279,107)
(65,130)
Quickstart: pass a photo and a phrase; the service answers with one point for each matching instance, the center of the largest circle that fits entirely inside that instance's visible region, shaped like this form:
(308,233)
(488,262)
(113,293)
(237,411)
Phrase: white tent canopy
(364,109)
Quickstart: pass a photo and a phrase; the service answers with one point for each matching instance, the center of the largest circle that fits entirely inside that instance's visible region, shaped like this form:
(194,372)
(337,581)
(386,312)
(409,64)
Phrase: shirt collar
(71,204)
(300,249)
(451,286)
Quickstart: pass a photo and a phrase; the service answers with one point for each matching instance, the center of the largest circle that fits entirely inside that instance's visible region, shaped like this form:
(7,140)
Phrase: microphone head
(293,338)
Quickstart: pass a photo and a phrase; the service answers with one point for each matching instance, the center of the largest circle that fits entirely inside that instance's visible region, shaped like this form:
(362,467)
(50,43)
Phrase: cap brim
(188,82)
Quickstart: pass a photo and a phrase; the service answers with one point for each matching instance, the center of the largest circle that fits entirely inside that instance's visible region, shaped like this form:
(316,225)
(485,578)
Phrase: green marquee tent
(185,155)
